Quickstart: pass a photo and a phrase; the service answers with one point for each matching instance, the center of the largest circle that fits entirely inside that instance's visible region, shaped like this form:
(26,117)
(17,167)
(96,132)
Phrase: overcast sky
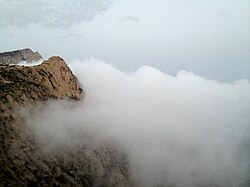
(208,37)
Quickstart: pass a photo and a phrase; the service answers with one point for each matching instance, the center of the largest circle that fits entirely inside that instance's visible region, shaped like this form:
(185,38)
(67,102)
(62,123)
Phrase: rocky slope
(14,57)
(23,160)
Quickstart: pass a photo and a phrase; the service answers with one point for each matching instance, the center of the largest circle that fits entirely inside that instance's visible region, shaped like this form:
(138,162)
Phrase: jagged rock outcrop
(51,79)
(23,161)
(14,57)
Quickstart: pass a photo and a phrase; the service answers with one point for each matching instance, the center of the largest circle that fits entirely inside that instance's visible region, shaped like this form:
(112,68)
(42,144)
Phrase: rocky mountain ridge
(14,57)
(23,160)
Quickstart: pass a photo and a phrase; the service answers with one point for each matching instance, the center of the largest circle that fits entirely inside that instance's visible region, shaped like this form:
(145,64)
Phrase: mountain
(14,57)
(23,159)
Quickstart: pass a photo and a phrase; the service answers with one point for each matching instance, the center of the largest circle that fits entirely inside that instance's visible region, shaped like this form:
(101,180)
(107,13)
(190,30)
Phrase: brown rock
(14,57)
(60,81)
(51,79)
(23,161)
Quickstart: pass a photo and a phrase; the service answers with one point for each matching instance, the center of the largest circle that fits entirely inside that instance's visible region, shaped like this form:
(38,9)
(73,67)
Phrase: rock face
(51,79)
(23,161)
(14,57)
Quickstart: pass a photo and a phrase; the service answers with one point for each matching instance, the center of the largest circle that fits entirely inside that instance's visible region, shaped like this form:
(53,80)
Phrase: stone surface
(51,79)
(23,160)
(14,57)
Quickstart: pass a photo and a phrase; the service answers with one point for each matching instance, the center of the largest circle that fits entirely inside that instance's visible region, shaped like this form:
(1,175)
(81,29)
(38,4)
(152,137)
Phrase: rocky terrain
(23,160)
(14,57)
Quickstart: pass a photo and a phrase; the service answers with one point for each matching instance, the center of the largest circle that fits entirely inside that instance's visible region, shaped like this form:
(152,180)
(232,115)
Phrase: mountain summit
(14,57)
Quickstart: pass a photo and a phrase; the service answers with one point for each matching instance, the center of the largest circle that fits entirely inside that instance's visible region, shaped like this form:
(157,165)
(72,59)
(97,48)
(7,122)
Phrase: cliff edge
(51,79)
(23,161)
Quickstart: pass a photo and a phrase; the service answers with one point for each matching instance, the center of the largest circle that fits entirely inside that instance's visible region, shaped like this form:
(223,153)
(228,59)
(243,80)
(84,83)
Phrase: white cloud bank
(25,63)
(181,130)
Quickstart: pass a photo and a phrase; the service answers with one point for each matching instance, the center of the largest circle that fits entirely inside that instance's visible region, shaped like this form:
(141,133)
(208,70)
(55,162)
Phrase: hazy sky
(209,37)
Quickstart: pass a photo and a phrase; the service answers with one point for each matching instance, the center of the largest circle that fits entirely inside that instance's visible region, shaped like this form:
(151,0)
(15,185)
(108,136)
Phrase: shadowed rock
(14,57)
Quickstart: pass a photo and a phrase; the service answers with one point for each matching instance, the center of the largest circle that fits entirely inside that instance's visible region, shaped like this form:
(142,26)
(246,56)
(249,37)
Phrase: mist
(182,130)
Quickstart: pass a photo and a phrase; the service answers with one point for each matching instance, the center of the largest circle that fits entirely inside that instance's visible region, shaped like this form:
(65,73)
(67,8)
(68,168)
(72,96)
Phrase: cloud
(181,130)
(131,19)
(53,14)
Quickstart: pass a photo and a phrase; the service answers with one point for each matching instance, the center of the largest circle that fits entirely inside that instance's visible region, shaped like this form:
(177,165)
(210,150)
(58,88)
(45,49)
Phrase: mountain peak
(16,56)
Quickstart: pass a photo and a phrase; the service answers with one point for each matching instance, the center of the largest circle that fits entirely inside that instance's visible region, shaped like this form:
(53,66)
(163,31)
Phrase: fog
(33,63)
(182,130)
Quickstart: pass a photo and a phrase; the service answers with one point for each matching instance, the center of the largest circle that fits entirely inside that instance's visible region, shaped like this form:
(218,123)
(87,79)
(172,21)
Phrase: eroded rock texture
(14,57)
(23,159)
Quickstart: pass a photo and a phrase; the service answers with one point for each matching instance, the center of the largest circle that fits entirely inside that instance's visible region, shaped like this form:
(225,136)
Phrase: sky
(210,38)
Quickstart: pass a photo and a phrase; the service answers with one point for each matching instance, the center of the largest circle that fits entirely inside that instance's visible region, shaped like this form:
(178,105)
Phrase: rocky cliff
(23,161)
(14,57)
